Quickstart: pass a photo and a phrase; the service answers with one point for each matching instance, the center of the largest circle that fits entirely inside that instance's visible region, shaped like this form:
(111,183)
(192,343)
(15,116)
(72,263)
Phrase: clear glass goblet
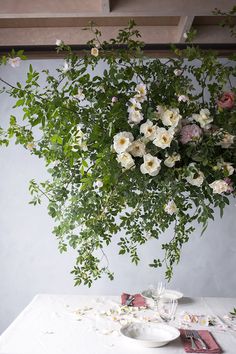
(167,308)
(157,291)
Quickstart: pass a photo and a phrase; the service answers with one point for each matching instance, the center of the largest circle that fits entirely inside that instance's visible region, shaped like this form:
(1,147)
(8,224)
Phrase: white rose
(195,178)
(94,52)
(171,117)
(135,105)
(171,208)
(137,148)
(227,166)
(126,160)
(141,90)
(59,42)
(227,141)
(203,118)
(14,62)
(183,98)
(163,138)
(171,160)
(135,117)
(219,186)
(160,109)
(178,72)
(151,165)
(122,141)
(148,129)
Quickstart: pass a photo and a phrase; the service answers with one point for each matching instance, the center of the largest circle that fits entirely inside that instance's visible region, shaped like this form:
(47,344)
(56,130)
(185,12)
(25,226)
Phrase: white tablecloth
(49,325)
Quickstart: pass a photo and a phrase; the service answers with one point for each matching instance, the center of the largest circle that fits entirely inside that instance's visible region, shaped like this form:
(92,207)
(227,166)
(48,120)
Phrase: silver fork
(190,336)
(197,336)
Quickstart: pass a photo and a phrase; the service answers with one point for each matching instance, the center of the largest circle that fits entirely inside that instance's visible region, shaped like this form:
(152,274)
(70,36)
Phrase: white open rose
(171,160)
(148,129)
(203,118)
(141,94)
(122,141)
(151,165)
(134,106)
(171,117)
(219,186)
(227,140)
(126,160)
(171,208)
(195,178)
(226,167)
(163,138)
(137,148)
(135,117)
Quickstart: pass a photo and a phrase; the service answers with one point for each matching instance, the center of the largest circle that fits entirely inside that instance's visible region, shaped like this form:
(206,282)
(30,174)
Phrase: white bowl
(173,294)
(150,335)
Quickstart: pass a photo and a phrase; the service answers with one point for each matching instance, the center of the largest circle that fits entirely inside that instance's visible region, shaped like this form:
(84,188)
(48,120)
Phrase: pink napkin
(207,338)
(138,301)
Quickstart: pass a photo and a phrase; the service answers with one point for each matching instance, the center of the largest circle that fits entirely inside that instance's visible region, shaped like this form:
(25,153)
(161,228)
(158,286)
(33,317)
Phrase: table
(49,325)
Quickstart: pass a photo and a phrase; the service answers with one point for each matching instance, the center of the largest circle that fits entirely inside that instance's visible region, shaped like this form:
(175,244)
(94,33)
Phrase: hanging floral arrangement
(144,145)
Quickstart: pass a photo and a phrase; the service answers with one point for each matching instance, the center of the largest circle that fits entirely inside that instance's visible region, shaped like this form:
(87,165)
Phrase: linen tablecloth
(50,325)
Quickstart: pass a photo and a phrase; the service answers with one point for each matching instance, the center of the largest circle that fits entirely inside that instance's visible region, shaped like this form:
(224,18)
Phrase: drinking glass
(167,308)
(157,291)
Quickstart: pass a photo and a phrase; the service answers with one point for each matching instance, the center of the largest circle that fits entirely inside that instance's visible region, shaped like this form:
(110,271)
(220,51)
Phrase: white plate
(173,294)
(149,335)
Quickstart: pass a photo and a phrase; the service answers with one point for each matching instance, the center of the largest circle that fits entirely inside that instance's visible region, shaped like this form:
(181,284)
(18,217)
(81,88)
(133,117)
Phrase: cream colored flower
(171,160)
(30,146)
(171,117)
(14,62)
(95,52)
(227,140)
(178,72)
(183,98)
(126,160)
(59,42)
(151,165)
(160,109)
(141,94)
(226,166)
(135,105)
(203,118)
(135,117)
(137,148)
(196,177)
(171,208)
(148,129)
(219,186)
(122,141)
(163,138)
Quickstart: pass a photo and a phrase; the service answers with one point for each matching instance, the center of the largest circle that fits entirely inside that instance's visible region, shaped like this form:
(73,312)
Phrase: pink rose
(227,100)
(190,132)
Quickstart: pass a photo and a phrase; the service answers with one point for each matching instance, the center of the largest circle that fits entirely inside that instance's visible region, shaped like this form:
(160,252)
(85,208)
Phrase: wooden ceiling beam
(185,24)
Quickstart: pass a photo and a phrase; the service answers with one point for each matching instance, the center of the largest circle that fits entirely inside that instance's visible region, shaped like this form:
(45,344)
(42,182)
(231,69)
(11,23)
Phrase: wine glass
(167,308)
(157,291)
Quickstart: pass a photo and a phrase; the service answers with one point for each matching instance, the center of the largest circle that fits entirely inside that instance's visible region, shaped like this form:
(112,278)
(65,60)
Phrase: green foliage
(90,197)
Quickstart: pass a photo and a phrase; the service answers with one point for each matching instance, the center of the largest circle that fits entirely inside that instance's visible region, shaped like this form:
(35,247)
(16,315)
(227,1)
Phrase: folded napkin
(138,300)
(207,338)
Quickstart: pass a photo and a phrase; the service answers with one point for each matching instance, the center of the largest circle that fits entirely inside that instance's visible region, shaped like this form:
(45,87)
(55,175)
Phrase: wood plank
(184,26)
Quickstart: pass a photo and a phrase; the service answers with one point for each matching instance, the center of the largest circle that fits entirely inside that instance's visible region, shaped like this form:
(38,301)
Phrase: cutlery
(129,300)
(197,336)
(188,335)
